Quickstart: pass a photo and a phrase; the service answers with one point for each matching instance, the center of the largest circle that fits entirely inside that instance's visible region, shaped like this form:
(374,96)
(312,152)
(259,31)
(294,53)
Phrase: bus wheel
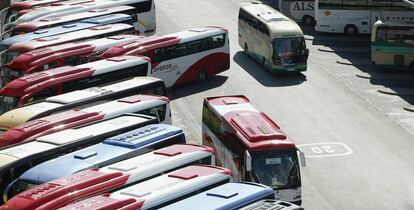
(202,75)
(246,49)
(308,20)
(350,30)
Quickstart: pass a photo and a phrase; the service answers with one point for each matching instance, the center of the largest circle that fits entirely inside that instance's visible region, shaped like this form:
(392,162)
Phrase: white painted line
(325,149)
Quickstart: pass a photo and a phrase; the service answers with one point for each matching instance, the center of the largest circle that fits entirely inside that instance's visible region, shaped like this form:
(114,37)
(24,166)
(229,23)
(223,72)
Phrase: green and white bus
(272,39)
(392,45)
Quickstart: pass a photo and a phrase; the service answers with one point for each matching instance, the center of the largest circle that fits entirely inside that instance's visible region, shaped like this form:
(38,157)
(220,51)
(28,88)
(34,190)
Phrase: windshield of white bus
(278,169)
(289,50)
(8,103)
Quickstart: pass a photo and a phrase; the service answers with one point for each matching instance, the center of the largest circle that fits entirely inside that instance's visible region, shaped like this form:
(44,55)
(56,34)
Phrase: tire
(202,75)
(308,20)
(350,30)
(246,49)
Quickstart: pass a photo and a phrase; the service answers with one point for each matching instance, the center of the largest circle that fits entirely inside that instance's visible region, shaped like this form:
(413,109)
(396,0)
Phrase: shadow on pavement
(196,87)
(265,77)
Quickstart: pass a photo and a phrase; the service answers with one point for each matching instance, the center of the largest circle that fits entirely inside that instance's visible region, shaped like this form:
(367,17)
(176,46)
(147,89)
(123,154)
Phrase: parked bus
(272,205)
(254,147)
(182,57)
(145,11)
(352,17)
(19,158)
(67,28)
(159,191)
(69,54)
(82,99)
(110,151)
(230,196)
(109,178)
(40,85)
(392,45)
(45,23)
(299,10)
(9,54)
(157,106)
(272,39)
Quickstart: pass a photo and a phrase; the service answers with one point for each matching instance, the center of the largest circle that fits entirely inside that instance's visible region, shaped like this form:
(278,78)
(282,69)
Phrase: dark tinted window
(144,6)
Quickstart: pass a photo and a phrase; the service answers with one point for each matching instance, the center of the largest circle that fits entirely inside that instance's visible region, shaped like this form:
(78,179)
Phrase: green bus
(272,39)
(392,45)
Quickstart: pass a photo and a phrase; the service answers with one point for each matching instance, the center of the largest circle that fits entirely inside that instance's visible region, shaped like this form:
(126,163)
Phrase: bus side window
(158,54)
(52,65)
(44,94)
(73,61)
(144,6)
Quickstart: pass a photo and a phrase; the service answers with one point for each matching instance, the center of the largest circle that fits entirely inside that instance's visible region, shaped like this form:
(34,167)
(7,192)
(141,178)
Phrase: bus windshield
(278,169)
(289,50)
(8,103)
(9,56)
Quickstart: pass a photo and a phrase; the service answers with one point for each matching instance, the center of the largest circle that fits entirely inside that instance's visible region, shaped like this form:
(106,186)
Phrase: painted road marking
(325,149)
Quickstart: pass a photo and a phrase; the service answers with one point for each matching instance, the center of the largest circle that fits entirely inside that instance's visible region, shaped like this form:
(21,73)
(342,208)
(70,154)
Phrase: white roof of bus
(109,64)
(105,43)
(26,149)
(197,33)
(279,25)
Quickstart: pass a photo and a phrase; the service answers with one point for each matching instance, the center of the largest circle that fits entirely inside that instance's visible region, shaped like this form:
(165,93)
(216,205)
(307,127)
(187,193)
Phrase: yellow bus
(392,45)
(272,39)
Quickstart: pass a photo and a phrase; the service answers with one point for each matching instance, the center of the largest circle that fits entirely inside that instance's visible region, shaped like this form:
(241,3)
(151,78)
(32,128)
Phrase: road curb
(341,50)
(409,108)
(394,93)
(363,76)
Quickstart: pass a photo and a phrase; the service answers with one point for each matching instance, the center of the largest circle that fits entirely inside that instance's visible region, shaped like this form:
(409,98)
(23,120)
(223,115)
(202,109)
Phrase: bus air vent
(222,194)
(85,155)
(40,31)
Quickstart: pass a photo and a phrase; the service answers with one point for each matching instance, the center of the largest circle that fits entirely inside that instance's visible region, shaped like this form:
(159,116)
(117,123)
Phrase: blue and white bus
(111,150)
(83,24)
(225,197)
(271,205)
(113,177)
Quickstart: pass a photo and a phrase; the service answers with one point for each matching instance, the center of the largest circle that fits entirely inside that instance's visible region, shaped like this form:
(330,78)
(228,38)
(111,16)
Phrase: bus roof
(162,41)
(270,204)
(256,130)
(39,80)
(225,197)
(30,3)
(32,59)
(111,150)
(159,190)
(71,27)
(279,25)
(44,22)
(68,37)
(125,172)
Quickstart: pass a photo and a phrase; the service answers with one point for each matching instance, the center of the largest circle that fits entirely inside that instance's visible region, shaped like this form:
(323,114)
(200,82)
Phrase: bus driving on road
(109,178)
(272,39)
(10,53)
(45,23)
(182,57)
(299,10)
(157,106)
(69,54)
(254,147)
(17,159)
(81,99)
(359,16)
(392,45)
(159,191)
(230,196)
(40,85)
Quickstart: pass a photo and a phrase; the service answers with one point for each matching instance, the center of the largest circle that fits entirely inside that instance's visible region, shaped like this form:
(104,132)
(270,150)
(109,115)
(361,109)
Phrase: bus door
(375,16)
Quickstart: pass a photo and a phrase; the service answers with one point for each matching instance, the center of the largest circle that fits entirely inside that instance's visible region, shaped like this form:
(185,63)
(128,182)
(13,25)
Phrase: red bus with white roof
(61,55)
(157,106)
(9,54)
(112,177)
(40,85)
(253,146)
(160,191)
(182,57)
(44,23)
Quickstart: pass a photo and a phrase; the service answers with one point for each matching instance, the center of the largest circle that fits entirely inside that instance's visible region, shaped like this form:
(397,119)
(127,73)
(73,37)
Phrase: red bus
(40,85)
(91,33)
(60,55)
(182,57)
(43,23)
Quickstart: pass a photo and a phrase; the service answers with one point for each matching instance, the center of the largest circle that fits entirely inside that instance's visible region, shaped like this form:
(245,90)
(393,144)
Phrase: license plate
(291,69)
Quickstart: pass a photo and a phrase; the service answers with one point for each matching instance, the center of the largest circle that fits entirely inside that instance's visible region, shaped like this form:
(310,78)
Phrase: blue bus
(225,197)
(83,24)
(271,204)
(111,150)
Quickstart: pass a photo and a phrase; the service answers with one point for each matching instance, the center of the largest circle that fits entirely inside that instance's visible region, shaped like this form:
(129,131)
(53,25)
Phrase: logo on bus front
(164,68)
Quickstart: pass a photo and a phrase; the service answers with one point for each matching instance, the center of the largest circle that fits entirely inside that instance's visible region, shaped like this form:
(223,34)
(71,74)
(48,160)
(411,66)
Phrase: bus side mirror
(248,161)
(9,191)
(302,158)
(307,53)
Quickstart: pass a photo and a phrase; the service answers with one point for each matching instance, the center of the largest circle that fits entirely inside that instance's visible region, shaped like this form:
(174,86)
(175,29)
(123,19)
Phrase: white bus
(145,11)
(272,39)
(81,99)
(109,178)
(299,10)
(159,191)
(359,16)
(19,158)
